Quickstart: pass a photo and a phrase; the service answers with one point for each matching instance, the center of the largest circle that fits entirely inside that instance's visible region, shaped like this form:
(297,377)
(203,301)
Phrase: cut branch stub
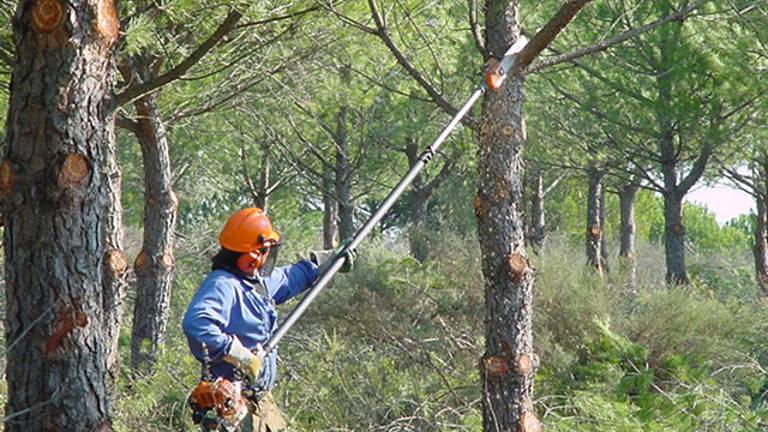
(495,366)
(517,265)
(107,23)
(69,319)
(595,231)
(529,422)
(484,128)
(481,211)
(73,171)
(507,130)
(118,262)
(168,260)
(7,177)
(141,261)
(47,15)
(524,364)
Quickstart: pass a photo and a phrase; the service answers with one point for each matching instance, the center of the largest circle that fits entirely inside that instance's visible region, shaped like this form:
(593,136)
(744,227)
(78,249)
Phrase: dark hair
(225,260)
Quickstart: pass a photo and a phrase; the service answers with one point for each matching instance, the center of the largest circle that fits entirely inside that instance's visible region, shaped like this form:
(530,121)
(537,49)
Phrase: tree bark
(537,230)
(64,265)
(508,364)
(760,248)
(344,178)
(330,211)
(603,242)
(417,236)
(594,238)
(627,251)
(674,235)
(154,266)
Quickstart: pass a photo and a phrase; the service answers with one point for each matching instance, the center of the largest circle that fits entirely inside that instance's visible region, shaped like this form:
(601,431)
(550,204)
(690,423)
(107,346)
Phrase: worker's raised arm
(289,281)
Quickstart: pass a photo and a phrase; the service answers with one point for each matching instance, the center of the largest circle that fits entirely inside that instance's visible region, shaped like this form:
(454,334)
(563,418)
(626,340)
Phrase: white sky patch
(725,201)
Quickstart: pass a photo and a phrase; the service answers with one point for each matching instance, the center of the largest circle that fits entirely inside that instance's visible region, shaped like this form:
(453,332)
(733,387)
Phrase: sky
(725,201)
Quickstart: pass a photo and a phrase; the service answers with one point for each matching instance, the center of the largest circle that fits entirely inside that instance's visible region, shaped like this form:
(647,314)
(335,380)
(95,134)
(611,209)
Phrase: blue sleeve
(289,281)
(206,318)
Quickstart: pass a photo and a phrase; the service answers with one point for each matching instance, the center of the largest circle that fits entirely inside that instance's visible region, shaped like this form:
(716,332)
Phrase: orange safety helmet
(247,231)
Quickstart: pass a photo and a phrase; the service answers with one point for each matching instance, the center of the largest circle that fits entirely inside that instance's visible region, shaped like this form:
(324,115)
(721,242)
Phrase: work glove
(324,258)
(244,359)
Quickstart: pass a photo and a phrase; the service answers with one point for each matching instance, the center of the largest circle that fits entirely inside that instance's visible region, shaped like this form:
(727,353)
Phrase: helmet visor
(270,260)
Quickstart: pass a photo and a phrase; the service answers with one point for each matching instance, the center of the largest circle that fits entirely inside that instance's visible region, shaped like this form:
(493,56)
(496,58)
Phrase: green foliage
(674,359)
(394,344)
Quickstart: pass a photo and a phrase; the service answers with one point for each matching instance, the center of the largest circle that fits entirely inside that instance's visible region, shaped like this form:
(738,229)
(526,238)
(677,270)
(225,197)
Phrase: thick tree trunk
(627,251)
(674,239)
(594,238)
(330,213)
(344,178)
(63,263)
(537,232)
(508,364)
(154,266)
(760,248)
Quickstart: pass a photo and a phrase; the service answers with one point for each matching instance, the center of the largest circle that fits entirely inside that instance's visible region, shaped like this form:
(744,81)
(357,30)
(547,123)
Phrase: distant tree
(666,88)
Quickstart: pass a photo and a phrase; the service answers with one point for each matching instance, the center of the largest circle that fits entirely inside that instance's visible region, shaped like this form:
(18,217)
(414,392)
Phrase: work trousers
(264,416)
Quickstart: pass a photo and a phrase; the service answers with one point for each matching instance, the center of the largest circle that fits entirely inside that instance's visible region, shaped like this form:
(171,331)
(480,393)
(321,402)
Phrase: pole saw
(496,72)
(221,405)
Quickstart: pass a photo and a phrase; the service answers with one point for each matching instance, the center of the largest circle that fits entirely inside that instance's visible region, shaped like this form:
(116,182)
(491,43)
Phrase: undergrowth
(394,346)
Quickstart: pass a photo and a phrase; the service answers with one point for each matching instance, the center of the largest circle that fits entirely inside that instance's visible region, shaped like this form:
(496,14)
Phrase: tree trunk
(330,212)
(761,243)
(760,248)
(603,243)
(627,251)
(508,364)
(417,235)
(62,258)
(594,239)
(674,239)
(344,178)
(154,265)
(537,233)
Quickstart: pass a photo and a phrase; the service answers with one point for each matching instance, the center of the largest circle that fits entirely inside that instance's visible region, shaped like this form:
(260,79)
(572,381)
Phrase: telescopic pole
(494,78)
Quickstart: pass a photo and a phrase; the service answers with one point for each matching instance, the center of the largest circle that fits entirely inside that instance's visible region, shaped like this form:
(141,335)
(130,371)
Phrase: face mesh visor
(270,261)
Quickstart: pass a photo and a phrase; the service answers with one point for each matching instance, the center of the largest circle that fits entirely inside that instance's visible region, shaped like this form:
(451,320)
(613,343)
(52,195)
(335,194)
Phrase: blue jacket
(227,305)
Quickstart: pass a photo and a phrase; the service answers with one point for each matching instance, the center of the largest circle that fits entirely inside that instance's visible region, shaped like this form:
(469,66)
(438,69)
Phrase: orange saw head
(222,397)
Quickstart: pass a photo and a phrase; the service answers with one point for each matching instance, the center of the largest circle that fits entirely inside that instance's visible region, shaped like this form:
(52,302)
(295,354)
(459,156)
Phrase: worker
(233,311)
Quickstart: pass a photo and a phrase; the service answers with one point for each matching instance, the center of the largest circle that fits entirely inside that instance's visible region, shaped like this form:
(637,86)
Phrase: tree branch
(554,184)
(127,124)
(474,26)
(615,40)
(697,170)
(175,73)
(279,18)
(436,96)
(547,34)
(742,182)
